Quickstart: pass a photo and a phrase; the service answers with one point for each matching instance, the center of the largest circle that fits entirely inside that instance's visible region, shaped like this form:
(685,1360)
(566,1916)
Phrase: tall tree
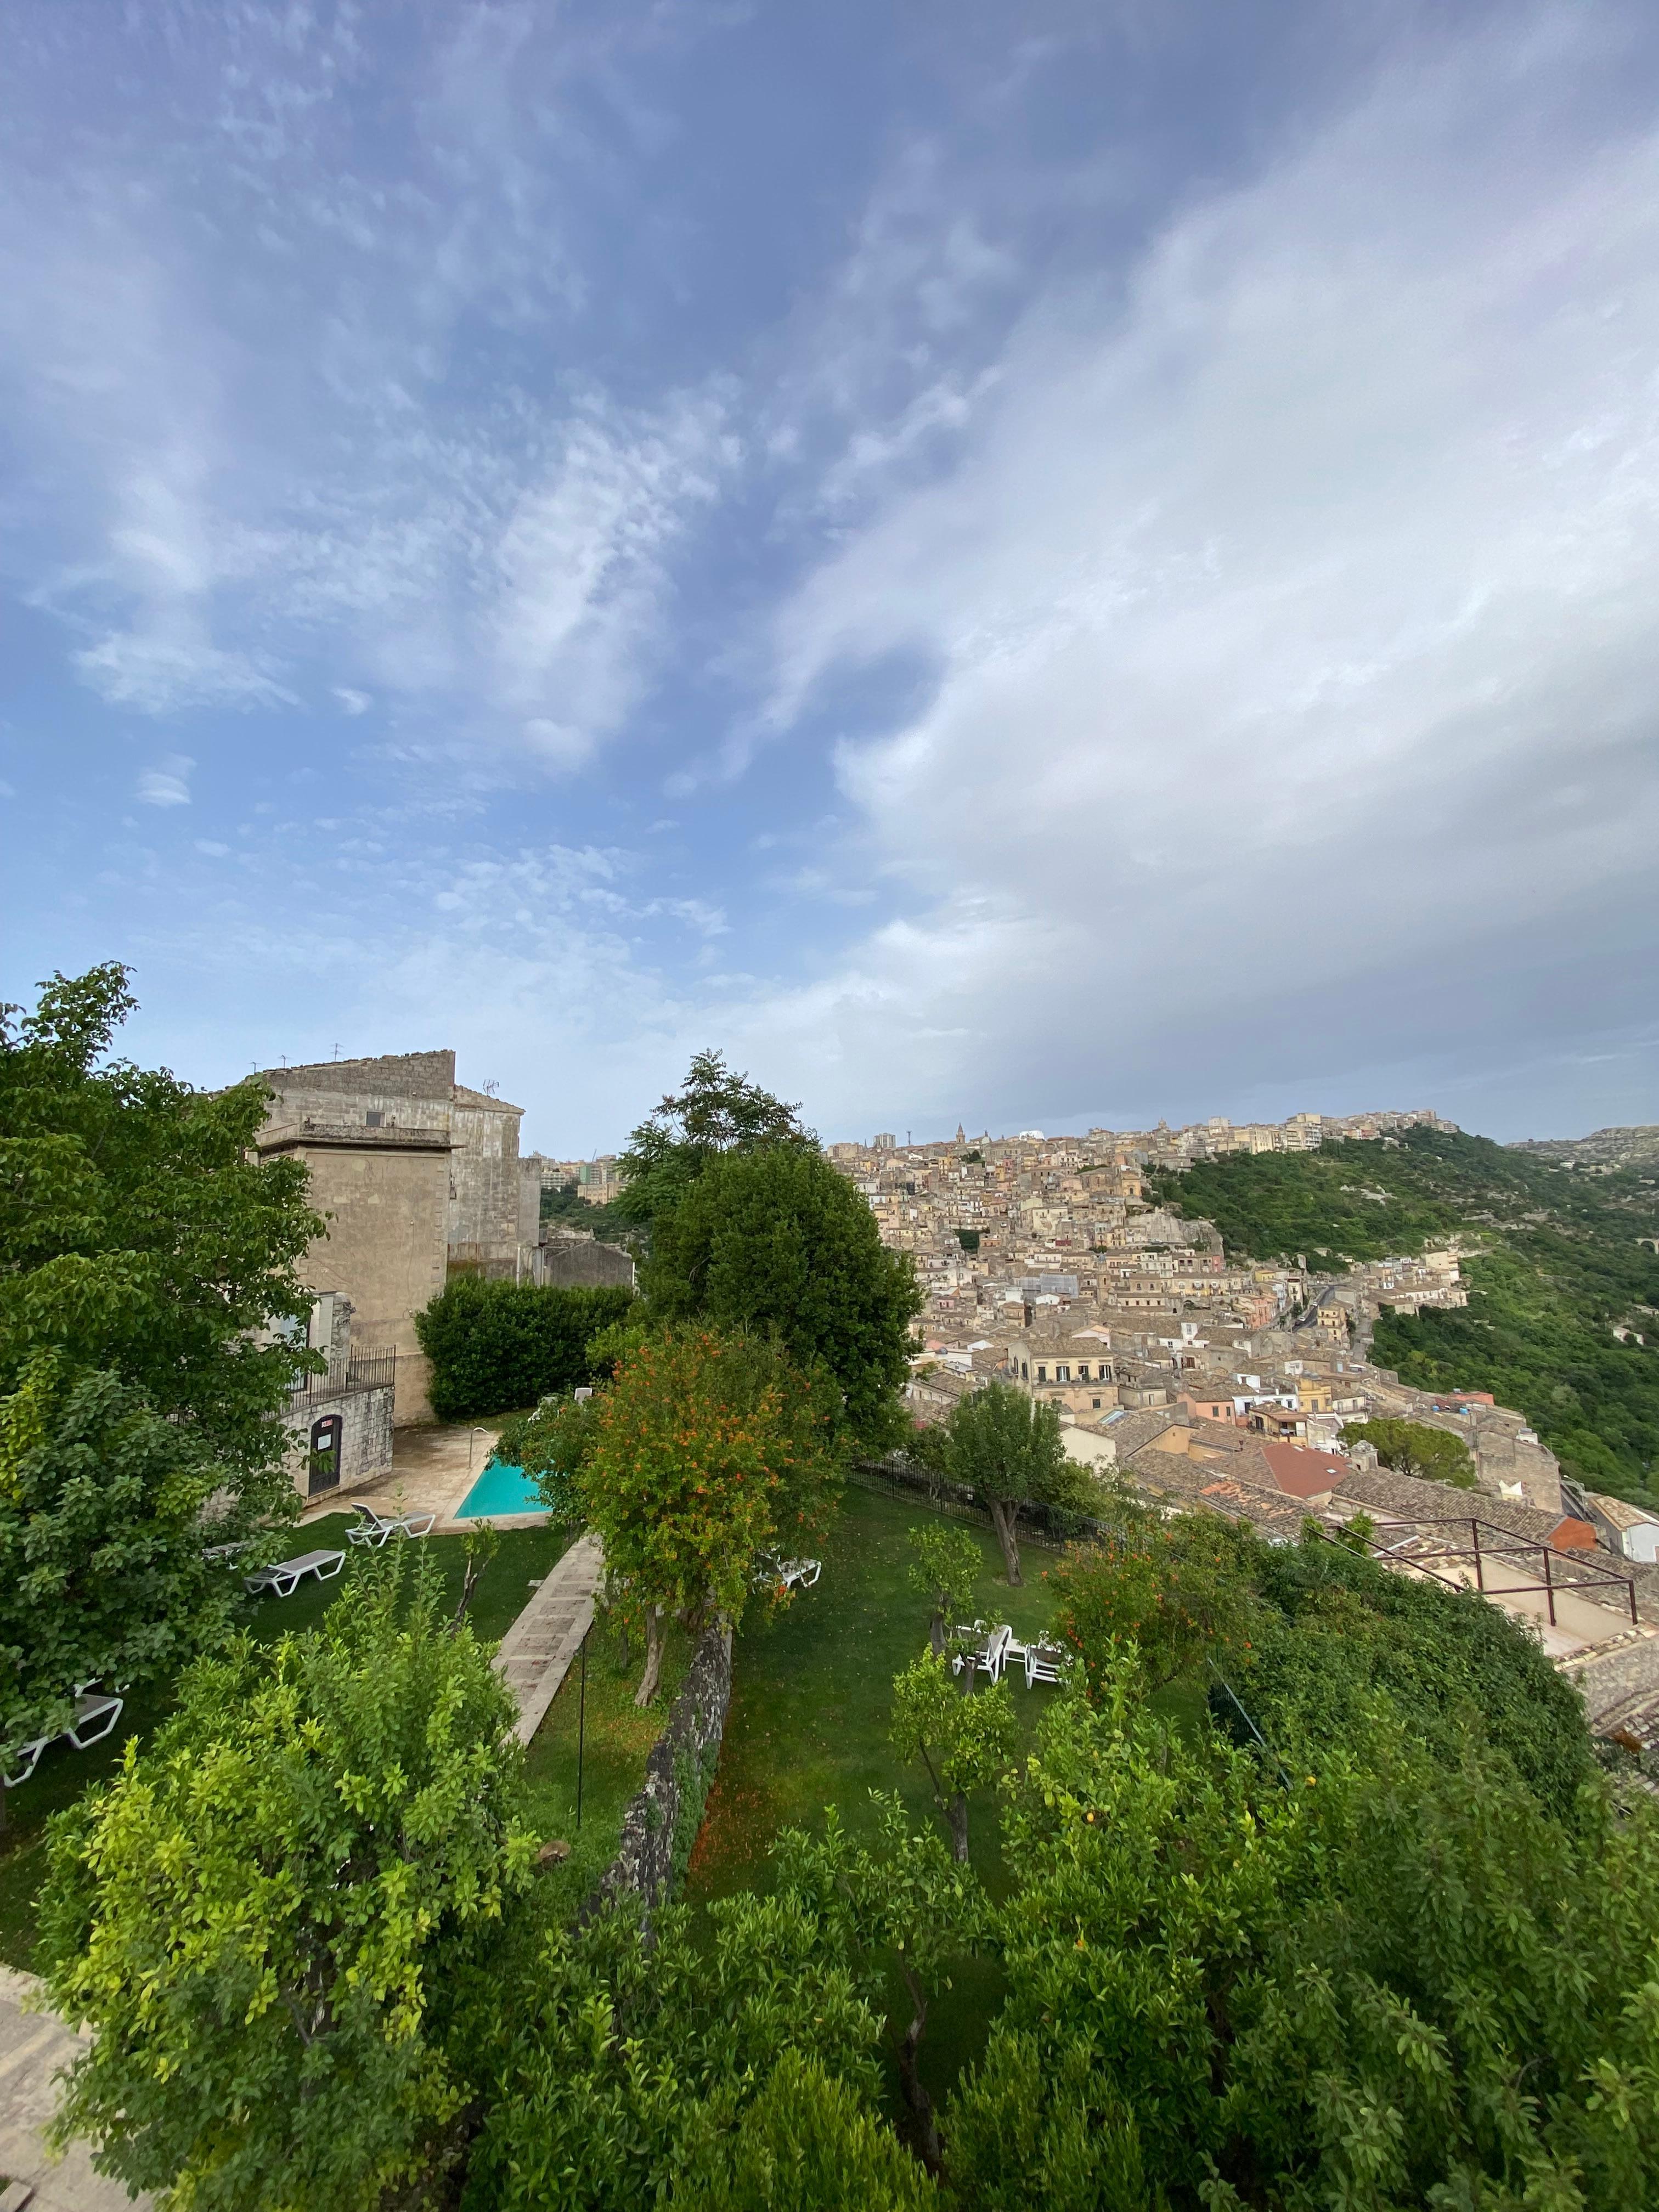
(776,1240)
(715,1112)
(1008,1447)
(266,1917)
(702,1451)
(138,1234)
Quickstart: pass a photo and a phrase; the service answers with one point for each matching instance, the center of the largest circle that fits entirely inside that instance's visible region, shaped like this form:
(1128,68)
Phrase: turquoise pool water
(502,1488)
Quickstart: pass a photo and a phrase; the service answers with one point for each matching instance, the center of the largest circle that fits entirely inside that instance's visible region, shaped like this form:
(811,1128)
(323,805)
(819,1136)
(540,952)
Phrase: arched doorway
(327,1436)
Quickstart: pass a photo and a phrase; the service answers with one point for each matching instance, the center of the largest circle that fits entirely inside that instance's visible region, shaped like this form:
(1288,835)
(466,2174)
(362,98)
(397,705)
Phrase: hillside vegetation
(1561,1265)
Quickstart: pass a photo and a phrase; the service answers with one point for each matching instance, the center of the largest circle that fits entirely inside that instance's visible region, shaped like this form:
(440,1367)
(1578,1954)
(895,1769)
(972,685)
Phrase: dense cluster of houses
(1203,1380)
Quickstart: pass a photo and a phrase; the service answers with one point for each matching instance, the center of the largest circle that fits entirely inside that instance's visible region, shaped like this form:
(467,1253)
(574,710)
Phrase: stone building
(414,1173)
(340,1424)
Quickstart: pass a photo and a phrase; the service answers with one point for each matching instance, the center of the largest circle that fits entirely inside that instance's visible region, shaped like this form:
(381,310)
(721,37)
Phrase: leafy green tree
(908,1897)
(963,1737)
(1387,1983)
(1179,1591)
(775,1241)
(705,1449)
(1415,1447)
(265,1918)
(102,1577)
(625,2070)
(553,1445)
(714,1113)
(945,1570)
(808,2142)
(496,1346)
(1333,1631)
(140,1237)
(1008,1447)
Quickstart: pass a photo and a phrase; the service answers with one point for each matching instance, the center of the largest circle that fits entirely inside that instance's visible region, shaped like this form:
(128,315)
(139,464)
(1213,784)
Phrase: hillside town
(1201,1378)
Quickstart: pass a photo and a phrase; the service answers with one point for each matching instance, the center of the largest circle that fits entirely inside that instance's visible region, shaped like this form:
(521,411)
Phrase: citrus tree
(267,1917)
(963,1737)
(704,1451)
(945,1570)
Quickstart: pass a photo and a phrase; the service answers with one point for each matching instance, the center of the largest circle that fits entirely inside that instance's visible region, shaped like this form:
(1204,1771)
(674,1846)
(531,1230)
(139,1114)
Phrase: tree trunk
(957,1813)
(653,1674)
(936,1634)
(920,2103)
(1003,1512)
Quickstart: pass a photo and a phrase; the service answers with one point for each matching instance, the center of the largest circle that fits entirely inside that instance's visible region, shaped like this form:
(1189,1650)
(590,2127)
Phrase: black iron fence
(363,1370)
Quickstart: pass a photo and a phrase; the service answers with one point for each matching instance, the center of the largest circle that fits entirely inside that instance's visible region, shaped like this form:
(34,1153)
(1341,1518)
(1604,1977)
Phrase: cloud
(167,784)
(1286,623)
(355,702)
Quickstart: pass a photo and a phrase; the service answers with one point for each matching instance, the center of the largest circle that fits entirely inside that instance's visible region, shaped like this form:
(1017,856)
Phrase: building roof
(1301,1472)
(1618,1515)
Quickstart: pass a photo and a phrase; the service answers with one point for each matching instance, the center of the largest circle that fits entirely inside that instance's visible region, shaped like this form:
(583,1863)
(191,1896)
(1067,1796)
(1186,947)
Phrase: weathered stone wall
(660,1826)
(365,1435)
(583,1261)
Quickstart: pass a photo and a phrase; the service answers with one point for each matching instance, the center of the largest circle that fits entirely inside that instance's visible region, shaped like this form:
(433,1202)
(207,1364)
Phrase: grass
(525,1554)
(614,1737)
(808,1727)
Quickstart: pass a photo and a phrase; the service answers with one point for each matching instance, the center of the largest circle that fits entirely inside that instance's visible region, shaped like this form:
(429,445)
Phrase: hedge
(494,1346)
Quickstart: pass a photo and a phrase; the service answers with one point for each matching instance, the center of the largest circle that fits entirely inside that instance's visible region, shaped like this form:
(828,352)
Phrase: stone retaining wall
(660,1825)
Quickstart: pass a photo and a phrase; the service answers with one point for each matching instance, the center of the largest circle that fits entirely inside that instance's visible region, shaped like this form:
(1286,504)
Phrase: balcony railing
(363,1370)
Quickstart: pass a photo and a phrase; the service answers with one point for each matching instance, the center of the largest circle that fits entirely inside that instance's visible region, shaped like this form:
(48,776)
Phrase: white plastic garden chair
(1043,1663)
(990,1655)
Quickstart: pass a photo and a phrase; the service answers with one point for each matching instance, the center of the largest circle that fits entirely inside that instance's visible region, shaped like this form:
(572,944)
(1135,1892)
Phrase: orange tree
(706,1451)
(1179,1589)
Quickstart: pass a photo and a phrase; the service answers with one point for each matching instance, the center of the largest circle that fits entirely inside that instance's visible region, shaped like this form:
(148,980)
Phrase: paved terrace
(34,2048)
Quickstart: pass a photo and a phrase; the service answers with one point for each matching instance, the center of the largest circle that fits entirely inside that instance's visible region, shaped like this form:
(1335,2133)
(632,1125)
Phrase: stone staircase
(536,1652)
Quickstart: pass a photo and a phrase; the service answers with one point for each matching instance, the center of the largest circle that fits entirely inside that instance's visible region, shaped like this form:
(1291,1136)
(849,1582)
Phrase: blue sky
(1041,564)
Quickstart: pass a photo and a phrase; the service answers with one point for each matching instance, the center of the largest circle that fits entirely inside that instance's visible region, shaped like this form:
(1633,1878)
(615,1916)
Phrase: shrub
(497,1346)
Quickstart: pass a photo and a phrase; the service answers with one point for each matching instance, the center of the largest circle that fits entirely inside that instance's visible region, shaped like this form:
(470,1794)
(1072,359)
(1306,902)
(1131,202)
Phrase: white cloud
(1287,625)
(167,784)
(355,702)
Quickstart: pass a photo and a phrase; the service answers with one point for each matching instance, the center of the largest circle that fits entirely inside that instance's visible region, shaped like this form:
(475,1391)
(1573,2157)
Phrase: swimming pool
(502,1488)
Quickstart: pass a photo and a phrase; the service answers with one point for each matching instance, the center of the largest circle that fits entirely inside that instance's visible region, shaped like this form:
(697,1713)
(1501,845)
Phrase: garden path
(536,1651)
(34,2046)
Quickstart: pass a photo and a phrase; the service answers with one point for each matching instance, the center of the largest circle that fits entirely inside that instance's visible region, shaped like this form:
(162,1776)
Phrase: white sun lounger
(285,1576)
(374,1527)
(94,1717)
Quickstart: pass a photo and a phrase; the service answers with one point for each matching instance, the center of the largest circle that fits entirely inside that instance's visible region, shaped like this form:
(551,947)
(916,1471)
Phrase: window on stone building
(1096,1403)
(1042,1375)
(1062,1374)
(1024,1370)
(373,1121)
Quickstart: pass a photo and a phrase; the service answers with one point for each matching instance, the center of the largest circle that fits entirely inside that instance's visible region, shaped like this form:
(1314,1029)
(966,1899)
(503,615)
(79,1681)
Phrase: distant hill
(1565,1259)
(1602,1150)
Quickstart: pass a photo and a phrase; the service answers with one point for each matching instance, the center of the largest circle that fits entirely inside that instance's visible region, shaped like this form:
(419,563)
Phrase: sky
(1047,565)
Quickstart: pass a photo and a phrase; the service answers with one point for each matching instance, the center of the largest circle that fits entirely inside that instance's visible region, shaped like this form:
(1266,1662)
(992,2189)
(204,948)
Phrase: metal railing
(362,1371)
(1403,1552)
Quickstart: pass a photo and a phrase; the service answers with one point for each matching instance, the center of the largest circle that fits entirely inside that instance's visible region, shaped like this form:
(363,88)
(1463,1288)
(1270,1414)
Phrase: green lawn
(808,1727)
(614,1742)
(63,1773)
